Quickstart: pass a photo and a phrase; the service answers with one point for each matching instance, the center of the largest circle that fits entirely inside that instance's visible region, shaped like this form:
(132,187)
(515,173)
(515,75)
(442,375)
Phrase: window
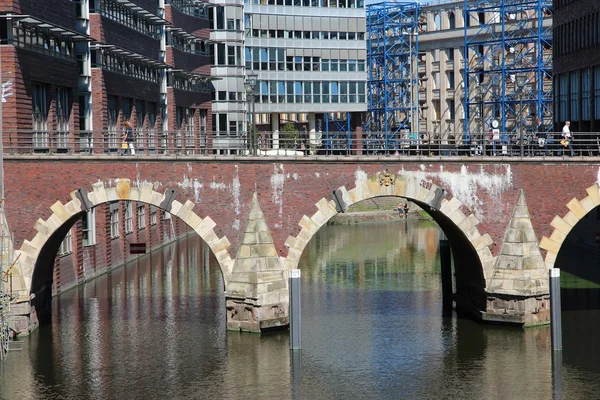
(220,11)
(451,109)
(574,95)
(66,246)
(39,105)
(585,95)
(128,217)
(88,227)
(63,110)
(451,20)
(220,54)
(563,86)
(141,216)
(231,56)
(596,94)
(450,79)
(151,122)
(140,116)
(203,136)
(152,215)
(114,220)
(112,114)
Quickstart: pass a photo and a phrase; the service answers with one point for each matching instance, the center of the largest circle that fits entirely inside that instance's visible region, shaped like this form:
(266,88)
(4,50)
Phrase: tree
(288,136)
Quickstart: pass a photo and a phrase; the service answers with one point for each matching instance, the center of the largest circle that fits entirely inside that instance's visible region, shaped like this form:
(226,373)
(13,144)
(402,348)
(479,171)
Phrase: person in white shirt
(568,139)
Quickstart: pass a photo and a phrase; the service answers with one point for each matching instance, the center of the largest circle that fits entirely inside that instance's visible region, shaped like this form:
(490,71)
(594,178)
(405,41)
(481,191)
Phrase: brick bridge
(505,219)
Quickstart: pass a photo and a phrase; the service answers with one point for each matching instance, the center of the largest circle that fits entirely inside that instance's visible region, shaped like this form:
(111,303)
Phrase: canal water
(372,329)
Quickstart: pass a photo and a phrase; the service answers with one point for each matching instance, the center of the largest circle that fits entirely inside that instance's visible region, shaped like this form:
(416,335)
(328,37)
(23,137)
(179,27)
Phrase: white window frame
(128,217)
(63,112)
(66,246)
(88,228)
(114,222)
(141,215)
(39,105)
(152,215)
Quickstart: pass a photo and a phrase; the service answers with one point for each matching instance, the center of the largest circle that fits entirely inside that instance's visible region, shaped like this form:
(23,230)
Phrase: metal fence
(302,143)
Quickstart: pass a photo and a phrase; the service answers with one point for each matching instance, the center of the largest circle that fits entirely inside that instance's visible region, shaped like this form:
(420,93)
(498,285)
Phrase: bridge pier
(257,293)
(517,287)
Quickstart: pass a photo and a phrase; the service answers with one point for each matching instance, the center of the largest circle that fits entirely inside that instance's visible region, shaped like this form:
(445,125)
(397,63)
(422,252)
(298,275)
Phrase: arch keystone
(123,188)
(400,186)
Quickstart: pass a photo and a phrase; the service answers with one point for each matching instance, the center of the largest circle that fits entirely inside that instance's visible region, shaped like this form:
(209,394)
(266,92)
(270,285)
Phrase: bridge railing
(302,143)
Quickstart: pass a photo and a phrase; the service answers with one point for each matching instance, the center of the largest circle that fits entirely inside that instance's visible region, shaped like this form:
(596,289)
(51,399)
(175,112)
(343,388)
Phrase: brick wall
(26,68)
(287,191)
(59,12)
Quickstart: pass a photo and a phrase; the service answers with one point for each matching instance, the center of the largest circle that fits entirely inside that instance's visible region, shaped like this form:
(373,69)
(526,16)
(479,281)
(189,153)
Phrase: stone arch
(460,228)
(36,257)
(578,209)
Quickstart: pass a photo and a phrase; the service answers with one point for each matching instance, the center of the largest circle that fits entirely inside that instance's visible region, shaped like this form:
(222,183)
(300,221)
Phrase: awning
(129,54)
(189,36)
(143,12)
(41,24)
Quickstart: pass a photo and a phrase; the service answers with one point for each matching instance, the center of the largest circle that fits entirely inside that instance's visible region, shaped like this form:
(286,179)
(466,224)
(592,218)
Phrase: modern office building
(76,71)
(306,60)
(577,64)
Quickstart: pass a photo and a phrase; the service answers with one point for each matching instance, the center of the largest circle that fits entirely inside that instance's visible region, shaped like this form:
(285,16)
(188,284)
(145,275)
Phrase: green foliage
(289,137)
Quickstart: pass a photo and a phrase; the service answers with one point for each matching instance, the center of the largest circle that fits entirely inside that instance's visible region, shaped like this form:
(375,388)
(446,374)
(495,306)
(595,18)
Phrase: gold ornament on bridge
(386,179)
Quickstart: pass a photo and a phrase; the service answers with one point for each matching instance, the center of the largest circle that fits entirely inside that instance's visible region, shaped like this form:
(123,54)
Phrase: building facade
(499,41)
(577,64)
(74,72)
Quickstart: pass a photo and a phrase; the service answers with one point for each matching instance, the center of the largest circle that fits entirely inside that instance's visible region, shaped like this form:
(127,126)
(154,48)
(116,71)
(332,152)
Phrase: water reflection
(372,328)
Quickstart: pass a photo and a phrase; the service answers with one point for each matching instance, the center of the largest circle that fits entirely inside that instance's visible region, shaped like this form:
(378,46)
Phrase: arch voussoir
(578,209)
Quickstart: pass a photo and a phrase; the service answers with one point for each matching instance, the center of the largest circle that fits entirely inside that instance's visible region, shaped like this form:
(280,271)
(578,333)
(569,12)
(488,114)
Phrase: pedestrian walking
(567,139)
(127,140)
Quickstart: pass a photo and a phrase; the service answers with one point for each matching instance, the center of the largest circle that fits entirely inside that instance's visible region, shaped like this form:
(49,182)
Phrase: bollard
(295,318)
(555,309)
(446,267)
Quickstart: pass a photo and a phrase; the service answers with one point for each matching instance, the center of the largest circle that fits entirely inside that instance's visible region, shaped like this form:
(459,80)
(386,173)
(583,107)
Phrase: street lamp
(250,83)
(520,82)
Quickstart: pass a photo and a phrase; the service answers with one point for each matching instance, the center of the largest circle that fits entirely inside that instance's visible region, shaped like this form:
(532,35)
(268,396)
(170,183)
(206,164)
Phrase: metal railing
(196,143)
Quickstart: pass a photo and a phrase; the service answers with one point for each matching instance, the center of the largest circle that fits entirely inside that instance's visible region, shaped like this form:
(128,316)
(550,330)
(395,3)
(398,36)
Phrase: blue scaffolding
(392,49)
(507,66)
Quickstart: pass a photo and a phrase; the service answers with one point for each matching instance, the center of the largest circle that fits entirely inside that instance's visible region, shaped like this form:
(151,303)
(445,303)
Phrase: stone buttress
(257,294)
(517,288)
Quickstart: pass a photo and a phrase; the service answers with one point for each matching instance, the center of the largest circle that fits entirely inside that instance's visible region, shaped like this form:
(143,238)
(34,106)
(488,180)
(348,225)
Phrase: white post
(275,130)
(295,317)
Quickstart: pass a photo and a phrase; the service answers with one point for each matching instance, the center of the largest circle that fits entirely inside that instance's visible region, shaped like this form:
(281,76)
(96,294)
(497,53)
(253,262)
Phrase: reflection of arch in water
(471,251)
(36,261)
